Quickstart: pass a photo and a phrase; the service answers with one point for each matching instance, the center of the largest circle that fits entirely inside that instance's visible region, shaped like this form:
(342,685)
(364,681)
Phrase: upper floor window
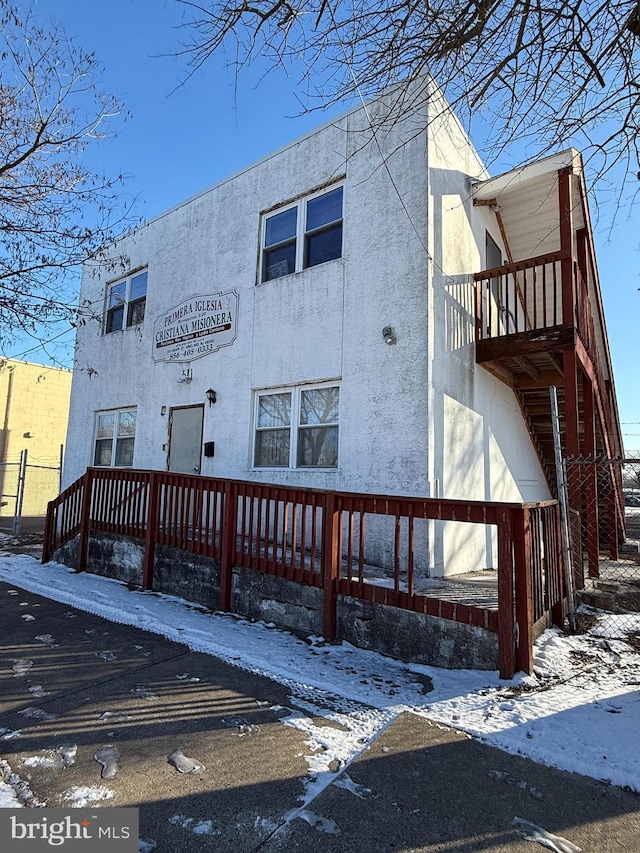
(297,428)
(115,438)
(126,301)
(303,235)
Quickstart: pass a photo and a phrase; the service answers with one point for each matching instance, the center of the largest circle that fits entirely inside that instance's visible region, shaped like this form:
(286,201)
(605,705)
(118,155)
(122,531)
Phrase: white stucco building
(326,295)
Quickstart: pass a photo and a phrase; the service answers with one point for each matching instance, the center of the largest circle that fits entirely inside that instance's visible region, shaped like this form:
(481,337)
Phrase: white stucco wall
(417,417)
(479,443)
(321,324)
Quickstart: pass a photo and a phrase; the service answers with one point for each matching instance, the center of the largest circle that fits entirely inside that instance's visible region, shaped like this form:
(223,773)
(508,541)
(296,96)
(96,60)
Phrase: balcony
(539,322)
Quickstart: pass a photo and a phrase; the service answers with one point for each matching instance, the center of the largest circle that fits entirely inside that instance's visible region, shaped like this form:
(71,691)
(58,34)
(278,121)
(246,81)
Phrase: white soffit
(516,178)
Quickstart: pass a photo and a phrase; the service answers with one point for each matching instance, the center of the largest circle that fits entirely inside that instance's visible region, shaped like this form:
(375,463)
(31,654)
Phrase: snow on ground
(580,711)
(8,799)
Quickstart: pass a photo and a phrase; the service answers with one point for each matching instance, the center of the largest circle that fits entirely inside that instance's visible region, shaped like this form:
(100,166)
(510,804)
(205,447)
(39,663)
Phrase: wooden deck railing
(519,297)
(320,539)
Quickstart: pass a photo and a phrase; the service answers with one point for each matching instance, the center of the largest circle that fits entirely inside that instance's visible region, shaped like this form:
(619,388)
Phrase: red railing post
(47,544)
(330,557)
(228,549)
(506,620)
(151,532)
(521,527)
(85,520)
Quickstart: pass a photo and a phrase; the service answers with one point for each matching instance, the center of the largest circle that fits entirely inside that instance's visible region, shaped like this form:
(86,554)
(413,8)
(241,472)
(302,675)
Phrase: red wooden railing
(63,518)
(519,297)
(320,539)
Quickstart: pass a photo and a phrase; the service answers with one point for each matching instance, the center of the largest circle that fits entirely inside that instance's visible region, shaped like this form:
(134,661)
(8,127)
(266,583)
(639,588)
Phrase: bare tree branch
(546,72)
(55,211)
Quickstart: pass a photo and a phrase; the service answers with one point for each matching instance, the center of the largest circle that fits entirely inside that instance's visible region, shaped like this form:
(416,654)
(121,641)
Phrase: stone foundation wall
(400,633)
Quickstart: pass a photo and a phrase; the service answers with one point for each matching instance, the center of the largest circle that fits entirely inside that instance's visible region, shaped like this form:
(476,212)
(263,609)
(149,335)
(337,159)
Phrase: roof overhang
(516,178)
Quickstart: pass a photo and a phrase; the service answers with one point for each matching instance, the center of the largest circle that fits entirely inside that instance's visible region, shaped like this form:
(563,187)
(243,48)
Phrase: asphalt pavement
(70,678)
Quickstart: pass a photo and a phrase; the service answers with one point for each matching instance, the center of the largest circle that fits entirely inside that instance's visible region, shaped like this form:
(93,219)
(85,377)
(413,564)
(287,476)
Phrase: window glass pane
(114,319)
(319,406)
(138,286)
(106,424)
(103,452)
(318,447)
(324,209)
(280,261)
(272,448)
(117,294)
(126,423)
(324,246)
(124,452)
(281,227)
(136,312)
(274,410)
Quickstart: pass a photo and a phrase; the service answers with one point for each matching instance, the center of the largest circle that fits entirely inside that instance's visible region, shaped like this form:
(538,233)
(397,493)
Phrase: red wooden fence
(319,538)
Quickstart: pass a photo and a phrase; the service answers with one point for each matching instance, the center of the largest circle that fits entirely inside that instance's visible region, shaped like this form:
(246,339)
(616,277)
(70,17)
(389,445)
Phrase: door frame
(173,409)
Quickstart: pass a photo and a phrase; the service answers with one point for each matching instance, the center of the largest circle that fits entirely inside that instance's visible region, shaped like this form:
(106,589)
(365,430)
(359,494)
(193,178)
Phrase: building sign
(196,327)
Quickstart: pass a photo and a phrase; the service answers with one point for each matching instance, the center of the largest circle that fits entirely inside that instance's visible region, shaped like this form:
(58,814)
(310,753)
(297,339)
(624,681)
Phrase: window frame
(128,305)
(115,437)
(295,428)
(302,233)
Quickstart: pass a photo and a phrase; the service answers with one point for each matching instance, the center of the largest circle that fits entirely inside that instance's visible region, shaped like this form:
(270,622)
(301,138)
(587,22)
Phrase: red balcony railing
(519,297)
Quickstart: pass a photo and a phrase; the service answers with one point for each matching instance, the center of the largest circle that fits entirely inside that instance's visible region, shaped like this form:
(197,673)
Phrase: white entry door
(185,442)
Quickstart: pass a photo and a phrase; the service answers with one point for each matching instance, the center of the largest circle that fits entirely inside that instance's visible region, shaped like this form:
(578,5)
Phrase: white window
(297,428)
(126,302)
(302,235)
(115,437)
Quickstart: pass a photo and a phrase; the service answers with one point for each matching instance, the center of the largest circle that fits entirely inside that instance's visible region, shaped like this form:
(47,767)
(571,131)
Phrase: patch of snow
(9,734)
(81,796)
(46,759)
(8,799)
(192,824)
(531,832)
(22,793)
(322,824)
(183,764)
(345,782)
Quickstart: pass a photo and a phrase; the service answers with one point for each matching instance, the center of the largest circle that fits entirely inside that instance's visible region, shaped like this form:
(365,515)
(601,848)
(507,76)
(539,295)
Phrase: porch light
(389,335)
(211,396)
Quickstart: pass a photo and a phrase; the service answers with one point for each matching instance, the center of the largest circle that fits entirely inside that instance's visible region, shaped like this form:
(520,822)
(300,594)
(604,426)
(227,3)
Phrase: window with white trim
(126,302)
(115,438)
(302,235)
(297,427)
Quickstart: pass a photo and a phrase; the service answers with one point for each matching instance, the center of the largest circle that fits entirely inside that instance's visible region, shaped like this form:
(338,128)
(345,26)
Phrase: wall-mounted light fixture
(211,396)
(389,335)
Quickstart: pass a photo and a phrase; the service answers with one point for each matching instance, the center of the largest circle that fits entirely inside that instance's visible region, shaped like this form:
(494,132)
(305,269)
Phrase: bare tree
(55,211)
(547,72)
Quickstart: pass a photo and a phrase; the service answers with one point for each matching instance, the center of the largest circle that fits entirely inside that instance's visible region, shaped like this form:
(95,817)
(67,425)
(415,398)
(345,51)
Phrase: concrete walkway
(417,787)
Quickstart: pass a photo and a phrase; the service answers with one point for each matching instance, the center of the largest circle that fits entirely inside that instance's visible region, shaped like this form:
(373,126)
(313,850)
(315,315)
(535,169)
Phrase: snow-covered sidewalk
(579,712)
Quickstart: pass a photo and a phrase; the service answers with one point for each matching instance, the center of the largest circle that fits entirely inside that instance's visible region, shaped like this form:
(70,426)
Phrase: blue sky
(184,136)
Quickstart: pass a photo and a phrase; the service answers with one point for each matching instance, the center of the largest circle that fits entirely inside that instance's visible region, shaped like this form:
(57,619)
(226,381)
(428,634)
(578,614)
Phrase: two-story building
(360,311)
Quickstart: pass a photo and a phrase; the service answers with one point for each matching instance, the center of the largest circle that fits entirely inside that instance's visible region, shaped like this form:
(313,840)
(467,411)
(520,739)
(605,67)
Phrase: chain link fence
(27,484)
(606,543)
